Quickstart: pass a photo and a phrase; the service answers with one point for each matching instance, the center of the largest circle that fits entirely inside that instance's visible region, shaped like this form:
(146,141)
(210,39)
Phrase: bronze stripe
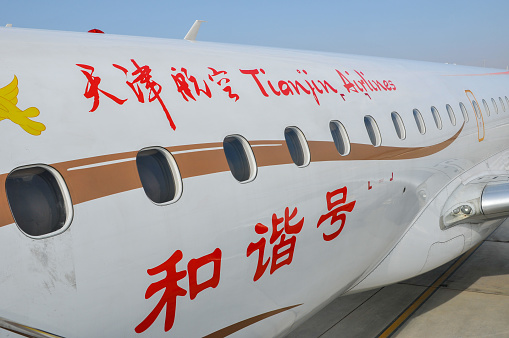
(87,184)
(247,322)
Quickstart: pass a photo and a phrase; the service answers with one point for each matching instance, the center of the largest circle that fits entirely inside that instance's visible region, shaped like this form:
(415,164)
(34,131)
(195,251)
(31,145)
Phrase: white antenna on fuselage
(191,35)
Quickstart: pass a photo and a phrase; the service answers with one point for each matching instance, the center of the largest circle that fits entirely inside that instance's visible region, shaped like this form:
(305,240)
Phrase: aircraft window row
(41,204)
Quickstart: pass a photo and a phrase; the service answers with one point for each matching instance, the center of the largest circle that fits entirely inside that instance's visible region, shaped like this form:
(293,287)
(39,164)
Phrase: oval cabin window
(159,175)
(240,158)
(297,146)
(398,125)
(373,131)
(450,112)
(39,200)
(436,117)
(485,104)
(502,103)
(419,121)
(464,112)
(494,105)
(477,110)
(340,137)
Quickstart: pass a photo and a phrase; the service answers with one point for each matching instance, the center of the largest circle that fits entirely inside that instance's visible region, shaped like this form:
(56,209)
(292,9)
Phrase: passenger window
(501,103)
(297,146)
(419,121)
(477,110)
(486,107)
(494,105)
(159,175)
(39,200)
(240,158)
(373,131)
(464,112)
(436,117)
(340,137)
(398,125)
(452,117)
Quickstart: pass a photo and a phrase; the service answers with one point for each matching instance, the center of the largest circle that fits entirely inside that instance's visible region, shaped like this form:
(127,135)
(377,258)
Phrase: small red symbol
(92,89)
(143,77)
(336,214)
(171,288)
(282,252)
(369,185)
(392,177)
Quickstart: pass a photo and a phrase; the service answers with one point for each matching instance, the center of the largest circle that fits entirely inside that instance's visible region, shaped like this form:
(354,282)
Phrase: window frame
(502,103)
(399,125)
(494,105)
(343,135)
(450,112)
(464,111)
(66,197)
(486,107)
(419,121)
(376,131)
(303,143)
(436,117)
(248,151)
(175,173)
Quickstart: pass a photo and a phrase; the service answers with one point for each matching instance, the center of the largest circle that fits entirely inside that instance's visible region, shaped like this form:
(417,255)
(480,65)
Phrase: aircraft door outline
(478,114)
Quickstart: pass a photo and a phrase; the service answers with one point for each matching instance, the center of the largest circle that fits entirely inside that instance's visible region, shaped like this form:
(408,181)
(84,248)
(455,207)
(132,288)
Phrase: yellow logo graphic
(9,111)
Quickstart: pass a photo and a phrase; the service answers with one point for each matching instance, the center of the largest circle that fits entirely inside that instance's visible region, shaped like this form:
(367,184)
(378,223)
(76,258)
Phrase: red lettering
(346,83)
(92,89)
(284,88)
(282,251)
(253,73)
(196,263)
(326,84)
(336,214)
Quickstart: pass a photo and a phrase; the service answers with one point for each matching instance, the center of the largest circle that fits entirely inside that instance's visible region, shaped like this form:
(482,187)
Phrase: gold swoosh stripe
(247,322)
(100,181)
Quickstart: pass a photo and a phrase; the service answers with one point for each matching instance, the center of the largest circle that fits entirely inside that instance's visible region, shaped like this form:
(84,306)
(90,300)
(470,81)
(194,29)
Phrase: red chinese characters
(190,88)
(92,89)
(223,80)
(171,288)
(181,81)
(336,212)
(282,251)
(143,76)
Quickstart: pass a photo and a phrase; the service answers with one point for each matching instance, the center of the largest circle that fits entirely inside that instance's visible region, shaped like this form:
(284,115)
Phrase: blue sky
(463,32)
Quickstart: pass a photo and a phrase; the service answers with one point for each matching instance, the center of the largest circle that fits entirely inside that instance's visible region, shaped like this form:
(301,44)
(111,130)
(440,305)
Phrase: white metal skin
(91,280)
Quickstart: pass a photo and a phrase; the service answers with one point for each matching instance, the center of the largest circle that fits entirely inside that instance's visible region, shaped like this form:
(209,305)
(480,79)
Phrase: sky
(471,33)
